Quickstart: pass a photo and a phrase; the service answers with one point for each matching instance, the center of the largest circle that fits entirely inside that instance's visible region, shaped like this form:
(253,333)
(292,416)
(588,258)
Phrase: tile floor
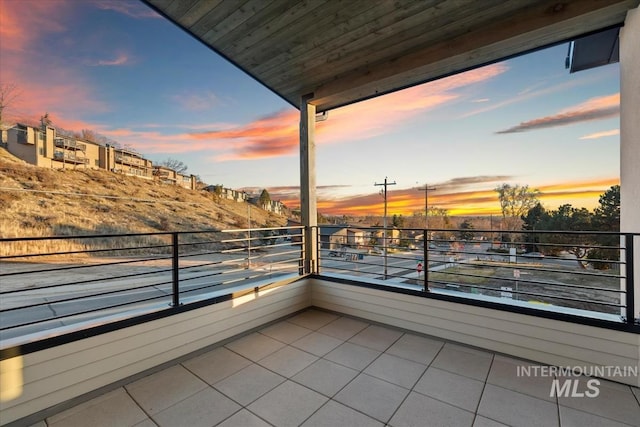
(321,369)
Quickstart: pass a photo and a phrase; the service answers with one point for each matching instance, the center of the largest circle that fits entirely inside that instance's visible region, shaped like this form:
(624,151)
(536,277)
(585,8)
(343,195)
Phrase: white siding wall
(543,340)
(56,375)
(630,136)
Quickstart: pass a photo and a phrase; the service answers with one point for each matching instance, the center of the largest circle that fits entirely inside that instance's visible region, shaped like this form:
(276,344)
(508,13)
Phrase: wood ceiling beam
(544,23)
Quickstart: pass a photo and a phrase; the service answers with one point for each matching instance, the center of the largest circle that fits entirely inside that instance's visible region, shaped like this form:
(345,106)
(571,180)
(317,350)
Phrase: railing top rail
(474,230)
(154,233)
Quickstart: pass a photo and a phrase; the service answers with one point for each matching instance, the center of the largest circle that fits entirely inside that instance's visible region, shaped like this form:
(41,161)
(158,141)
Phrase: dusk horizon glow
(119,69)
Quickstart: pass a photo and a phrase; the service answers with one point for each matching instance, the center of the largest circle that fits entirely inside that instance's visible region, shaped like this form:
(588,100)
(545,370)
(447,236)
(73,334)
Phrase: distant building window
(41,151)
(41,136)
(97,163)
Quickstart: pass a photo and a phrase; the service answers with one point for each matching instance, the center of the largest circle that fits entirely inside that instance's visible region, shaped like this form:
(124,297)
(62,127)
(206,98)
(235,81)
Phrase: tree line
(522,209)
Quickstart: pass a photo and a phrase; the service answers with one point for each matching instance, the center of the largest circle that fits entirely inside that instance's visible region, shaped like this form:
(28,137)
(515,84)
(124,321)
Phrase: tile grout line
(414,385)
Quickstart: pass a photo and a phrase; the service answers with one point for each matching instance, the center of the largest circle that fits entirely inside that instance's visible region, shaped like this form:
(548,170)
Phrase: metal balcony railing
(70,144)
(74,282)
(587,274)
(64,156)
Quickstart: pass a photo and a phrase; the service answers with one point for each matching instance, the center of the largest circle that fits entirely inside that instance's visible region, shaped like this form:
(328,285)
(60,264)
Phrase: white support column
(308,204)
(630,136)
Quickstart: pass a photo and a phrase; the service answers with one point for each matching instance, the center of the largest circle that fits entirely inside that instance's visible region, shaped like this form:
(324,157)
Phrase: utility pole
(384,226)
(426,204)
(425,236)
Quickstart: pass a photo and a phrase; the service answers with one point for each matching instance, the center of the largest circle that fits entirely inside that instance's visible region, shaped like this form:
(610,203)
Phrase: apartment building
(126,161)
(44,147)
(169,176)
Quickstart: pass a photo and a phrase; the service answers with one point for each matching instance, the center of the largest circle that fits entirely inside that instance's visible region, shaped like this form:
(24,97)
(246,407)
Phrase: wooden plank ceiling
(346,51)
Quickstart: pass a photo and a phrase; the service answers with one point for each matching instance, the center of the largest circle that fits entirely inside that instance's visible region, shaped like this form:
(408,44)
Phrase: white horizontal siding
(58,374)
(544,340)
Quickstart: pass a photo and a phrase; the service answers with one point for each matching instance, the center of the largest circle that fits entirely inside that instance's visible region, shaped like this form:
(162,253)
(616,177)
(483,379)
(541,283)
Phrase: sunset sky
(116,67)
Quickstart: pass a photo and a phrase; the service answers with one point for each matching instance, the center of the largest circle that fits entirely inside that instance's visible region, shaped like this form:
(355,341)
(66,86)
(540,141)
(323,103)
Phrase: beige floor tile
(325,377)
(249,384)
(352,356)
(376,398)
(115,408)
(285,332)
(313,319)
(343,328)
(419,410)
(517,409)
(574,418)
(464,361)
(334,414)
(204,409)
(317,343)
(165,388)
(481,421)
(39,424)
(289,404)
(416,348)
(244,418)
(396,370)
(146,423)
(505,372)
(636,391)
(376,337)
(614,401)
(255,346)
(288,361)
(216,364)
(457,390)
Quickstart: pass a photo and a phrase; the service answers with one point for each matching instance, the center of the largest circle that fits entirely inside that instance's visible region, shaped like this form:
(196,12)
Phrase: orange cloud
(270,136)
(603,134)
(278,134)
(593,109)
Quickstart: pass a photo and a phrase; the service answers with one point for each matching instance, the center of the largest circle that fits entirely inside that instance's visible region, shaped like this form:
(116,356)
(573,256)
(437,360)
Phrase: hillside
(37,201)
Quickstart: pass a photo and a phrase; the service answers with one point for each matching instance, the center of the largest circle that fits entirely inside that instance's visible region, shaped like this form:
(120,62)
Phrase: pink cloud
(58,88)
(598,108)
(277,134)
(603,134)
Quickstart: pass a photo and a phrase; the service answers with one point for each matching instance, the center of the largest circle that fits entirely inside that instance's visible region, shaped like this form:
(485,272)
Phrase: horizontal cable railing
(55,282)
(584,273)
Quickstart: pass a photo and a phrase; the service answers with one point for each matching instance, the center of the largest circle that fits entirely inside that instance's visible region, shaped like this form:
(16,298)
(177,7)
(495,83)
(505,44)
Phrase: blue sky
(115,67)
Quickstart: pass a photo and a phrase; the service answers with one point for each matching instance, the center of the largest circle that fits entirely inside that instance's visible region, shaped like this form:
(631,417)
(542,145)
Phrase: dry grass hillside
(45,202)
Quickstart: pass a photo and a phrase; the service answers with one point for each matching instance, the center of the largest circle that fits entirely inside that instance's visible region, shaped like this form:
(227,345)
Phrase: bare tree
(515,202)
(8,94)
(174,164)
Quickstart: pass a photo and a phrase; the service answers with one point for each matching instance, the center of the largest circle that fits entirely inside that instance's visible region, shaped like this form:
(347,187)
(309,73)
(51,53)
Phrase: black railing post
(425,259)
(175,267)
(629,280)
